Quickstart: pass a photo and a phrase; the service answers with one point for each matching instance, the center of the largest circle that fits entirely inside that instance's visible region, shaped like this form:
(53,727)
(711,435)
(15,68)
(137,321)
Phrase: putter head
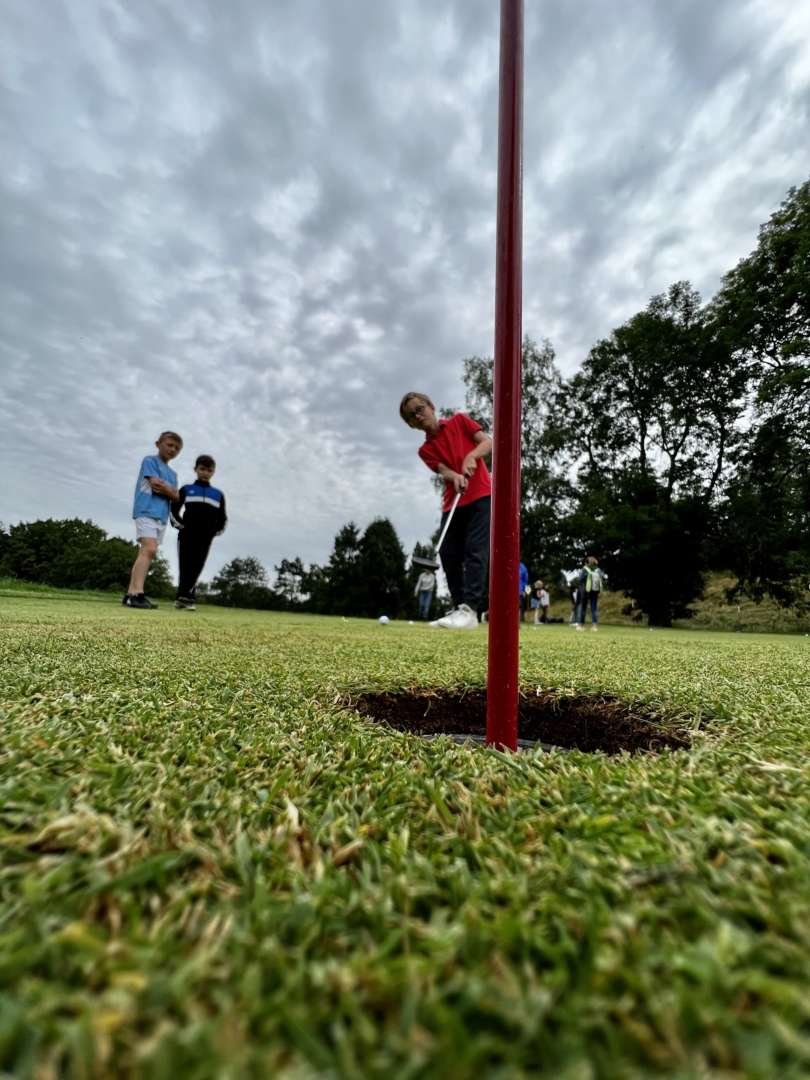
(431,564)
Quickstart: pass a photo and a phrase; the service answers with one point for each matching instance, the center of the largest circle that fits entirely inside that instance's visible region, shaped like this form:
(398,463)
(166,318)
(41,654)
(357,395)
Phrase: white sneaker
(578,626)
(594,628)
(463,618)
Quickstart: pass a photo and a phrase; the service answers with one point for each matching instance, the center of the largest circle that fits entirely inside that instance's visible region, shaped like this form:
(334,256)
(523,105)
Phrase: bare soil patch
(590,722)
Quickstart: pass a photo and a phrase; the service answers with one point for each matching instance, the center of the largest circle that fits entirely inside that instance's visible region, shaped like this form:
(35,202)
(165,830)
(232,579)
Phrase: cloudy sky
(259,222)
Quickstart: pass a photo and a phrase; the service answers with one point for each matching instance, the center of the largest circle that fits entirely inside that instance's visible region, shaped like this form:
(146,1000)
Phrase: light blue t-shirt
(147,504)
(523,579)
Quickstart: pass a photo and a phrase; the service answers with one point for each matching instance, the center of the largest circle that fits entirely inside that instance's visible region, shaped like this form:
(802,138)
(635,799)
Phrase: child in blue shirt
(156,486)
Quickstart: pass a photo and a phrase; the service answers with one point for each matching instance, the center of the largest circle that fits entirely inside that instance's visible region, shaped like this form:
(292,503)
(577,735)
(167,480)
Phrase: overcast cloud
(260,222)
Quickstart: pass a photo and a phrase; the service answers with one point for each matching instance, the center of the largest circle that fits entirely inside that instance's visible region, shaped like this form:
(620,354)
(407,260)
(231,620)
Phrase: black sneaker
(183,603)
(140,601)
(125,599)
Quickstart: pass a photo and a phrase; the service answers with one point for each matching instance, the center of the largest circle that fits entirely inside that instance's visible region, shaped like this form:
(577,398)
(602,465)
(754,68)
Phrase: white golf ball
(383,620)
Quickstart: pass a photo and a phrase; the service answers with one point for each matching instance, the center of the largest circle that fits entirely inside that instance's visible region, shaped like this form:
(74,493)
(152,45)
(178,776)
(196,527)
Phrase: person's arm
(223,516)
(458,480)
(161,487)
(483,447)
(176,508)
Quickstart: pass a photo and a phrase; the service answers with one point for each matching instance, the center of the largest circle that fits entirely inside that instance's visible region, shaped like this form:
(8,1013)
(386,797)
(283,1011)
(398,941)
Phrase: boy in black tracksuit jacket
(199,514)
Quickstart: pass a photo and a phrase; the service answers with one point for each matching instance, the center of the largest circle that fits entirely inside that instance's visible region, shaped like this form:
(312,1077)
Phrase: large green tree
(289,583)
(76,554)
(545,489)
(345,591)
(646,427)
(244,583)
(763,306)
(382,565)
(762,312)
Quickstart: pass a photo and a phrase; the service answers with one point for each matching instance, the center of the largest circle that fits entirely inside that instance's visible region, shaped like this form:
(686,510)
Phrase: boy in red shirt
(454,449)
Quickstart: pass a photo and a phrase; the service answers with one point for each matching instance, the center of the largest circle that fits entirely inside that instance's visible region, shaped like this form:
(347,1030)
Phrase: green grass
(14,588)
(208,870)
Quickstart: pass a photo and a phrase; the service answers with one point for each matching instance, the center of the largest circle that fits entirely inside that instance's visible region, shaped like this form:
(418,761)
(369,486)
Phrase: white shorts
(149,528)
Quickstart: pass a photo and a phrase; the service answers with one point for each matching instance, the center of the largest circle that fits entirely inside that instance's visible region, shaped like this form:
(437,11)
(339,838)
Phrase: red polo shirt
(449,446)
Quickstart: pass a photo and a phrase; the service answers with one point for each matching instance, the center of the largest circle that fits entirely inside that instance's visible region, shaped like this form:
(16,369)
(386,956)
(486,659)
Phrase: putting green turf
(210,870)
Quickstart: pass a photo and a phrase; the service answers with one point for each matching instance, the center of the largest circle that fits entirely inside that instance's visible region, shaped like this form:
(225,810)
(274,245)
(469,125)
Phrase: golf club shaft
(449,519)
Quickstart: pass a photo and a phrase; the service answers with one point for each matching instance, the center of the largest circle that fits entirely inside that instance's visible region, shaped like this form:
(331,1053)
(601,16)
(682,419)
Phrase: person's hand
(459,482)
(469,465)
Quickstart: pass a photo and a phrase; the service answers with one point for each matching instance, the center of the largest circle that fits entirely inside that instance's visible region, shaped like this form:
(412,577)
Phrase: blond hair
(169,435)
(411,396)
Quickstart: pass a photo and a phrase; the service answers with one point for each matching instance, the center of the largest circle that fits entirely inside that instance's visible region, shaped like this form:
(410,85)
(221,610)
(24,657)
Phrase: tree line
(681,446)
(74,554)
(366,575)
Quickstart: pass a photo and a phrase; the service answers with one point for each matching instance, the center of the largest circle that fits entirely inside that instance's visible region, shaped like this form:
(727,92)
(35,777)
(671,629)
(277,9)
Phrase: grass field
(210,870)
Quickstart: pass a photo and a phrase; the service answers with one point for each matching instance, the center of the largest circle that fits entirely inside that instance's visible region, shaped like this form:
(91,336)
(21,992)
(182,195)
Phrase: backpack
(594,580)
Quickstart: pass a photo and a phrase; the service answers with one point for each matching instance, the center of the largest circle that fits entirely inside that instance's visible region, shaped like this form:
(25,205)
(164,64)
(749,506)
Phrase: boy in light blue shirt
(155,488)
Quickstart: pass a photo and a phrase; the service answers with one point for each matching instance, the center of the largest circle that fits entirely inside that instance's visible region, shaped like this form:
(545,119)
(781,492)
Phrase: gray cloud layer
(260,223)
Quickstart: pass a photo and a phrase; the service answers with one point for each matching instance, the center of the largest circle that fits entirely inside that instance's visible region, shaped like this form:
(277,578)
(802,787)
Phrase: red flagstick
(504,630)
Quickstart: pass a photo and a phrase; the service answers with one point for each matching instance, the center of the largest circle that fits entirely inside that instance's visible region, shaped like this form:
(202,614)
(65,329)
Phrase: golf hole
(548,718)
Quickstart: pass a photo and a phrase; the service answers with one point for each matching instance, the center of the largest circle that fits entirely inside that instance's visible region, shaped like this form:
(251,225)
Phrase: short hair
(169,435)
(410,397)
(205,459)
(538,584)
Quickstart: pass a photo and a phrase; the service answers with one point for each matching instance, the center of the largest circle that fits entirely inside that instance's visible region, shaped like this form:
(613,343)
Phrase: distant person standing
(424,592)
(591,583)
(155,487)
(542,603)
(524,592)
(570,581)
(199,513)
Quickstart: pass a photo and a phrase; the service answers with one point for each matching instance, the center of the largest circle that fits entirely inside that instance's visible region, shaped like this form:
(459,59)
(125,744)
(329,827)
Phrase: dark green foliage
(289,583)
(659,398)
(764,534)
(74,554)
(544,485)
(365,577)
(652,547)
(763,306)
(243,583)
(344,591)
(646,427)
(382,568)
(763,312)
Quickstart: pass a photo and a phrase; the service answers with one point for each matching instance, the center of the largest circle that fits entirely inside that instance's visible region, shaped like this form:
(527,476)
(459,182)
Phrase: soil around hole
(590,722)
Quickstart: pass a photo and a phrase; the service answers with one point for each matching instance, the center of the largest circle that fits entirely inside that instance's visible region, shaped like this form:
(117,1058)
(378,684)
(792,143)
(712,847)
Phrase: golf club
(433,564)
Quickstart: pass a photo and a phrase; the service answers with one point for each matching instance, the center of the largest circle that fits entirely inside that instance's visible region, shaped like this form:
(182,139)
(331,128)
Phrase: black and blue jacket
(200,508)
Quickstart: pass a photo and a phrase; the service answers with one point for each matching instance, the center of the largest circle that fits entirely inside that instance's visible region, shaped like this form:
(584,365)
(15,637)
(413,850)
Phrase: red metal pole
(504,630)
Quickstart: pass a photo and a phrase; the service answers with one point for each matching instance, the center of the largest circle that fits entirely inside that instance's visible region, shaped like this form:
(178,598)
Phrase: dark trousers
(587,598)
(192,551)
(465,552)
(425,596)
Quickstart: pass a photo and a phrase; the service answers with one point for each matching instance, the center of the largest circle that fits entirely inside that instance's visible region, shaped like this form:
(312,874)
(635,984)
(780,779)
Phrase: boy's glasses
(413,413)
